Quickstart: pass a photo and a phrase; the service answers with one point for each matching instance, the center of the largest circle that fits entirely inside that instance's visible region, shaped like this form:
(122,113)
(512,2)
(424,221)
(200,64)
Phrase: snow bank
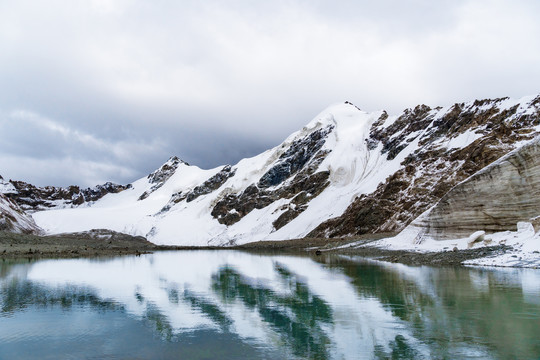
(523,251)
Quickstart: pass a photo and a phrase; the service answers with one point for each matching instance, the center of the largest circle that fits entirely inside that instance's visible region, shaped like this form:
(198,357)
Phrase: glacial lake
(237,305)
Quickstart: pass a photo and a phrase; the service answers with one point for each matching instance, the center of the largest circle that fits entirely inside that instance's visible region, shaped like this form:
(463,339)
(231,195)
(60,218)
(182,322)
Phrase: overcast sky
(99,90)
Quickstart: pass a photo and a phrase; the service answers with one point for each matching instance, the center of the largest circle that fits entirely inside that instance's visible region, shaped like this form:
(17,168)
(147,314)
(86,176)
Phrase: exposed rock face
(311,186)
(207,187)
(296,156)
(494,199)
(211,184)
(303,188)
(99,191)
(161,175)
(14,219)
(437,163)
(31,198)
(301,158)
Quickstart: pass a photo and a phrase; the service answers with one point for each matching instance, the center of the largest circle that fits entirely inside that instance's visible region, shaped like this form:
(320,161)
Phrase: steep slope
(494,199)
(347,172)
(14,219)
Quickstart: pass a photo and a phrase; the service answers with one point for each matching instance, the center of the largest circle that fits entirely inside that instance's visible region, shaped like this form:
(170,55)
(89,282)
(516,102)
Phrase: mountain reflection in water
(229,304)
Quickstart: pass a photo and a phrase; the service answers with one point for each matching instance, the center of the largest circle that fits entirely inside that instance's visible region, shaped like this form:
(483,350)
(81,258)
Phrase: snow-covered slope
(182,204)
(14,219)
(347,172)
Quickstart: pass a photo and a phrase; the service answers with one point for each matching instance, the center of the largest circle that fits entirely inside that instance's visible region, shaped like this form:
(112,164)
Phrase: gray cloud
(100,90)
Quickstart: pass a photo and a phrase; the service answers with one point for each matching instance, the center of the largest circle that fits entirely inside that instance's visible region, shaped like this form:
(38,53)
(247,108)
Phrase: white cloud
(65,171)
(53,153)
(178,75)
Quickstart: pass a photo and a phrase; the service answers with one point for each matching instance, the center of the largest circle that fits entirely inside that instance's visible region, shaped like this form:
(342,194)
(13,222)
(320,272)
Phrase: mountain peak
(350,103)
(166,170)
(175,160)
(161,175)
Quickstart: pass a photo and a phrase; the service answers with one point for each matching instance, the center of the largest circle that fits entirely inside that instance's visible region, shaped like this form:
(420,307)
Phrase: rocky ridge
(161,175)
(33,198)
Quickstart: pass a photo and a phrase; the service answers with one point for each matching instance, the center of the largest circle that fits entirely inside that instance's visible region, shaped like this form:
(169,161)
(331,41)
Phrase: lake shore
(320,246)
(109,243)
(86,244)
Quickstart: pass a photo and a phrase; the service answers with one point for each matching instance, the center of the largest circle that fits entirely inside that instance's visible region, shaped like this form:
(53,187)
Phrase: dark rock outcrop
(30,197)
(296,156)
(161,175)
(235,206)
(397,136)
(99,191)
(211,184)
(205,188)
(295,172)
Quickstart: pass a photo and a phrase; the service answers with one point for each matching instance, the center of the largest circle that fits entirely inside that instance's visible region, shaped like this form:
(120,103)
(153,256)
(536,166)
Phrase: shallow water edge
(239,305)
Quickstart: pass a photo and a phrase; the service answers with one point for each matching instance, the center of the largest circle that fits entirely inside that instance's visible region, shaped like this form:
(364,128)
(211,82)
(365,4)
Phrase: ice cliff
(494,199)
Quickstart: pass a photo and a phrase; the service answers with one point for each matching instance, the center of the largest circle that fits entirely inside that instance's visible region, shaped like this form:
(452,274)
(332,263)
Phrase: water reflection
(257,306)
(488,313)
(17,295)
(298,316)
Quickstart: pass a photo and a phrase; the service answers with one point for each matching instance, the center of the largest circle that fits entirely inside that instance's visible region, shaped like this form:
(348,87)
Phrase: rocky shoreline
(440,258)
(109,243)
(86,244)
(321,246)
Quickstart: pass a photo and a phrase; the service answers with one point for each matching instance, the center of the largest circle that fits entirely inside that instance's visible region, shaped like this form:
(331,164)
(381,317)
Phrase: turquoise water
(235,305)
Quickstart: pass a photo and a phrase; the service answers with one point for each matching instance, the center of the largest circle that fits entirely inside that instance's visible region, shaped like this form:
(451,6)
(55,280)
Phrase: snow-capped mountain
(347,172)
